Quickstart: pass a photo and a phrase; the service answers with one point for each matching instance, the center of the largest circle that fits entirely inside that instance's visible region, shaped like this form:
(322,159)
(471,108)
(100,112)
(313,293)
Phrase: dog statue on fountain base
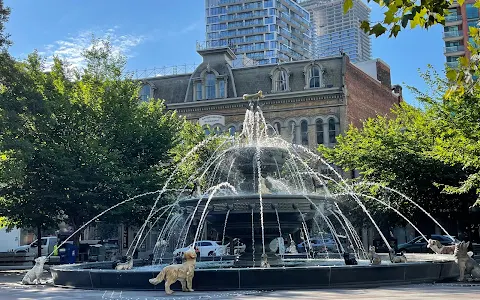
(466,264)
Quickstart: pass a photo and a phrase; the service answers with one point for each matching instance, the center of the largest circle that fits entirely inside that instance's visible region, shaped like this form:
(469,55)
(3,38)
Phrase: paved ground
(10,288)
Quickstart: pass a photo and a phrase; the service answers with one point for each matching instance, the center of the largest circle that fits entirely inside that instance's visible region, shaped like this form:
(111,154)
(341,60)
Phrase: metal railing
(454,49)
(452,64)
(452,34)
(162,71)
(452,18)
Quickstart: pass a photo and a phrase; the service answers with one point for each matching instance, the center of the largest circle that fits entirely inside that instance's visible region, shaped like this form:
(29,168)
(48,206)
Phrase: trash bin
(68,254)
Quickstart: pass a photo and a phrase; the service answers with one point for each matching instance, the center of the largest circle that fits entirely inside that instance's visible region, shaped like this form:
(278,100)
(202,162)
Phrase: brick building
(308,102)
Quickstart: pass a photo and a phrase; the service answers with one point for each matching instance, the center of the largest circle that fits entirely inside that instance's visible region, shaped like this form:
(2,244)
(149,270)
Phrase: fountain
(260,189)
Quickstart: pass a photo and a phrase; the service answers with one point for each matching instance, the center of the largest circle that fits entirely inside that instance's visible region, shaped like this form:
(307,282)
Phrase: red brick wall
(366,97)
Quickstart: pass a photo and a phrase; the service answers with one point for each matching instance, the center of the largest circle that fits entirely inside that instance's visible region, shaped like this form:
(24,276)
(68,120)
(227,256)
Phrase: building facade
(335,32)
(266,31)
(456,33)
(308,102)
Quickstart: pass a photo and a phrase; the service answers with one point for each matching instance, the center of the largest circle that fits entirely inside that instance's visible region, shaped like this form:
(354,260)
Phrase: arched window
(145,92)
(206,130)
(280,80)
(293,131)
(332,131)
(210,86)
(217,130)
(231,130)
(304,132)
(313,76)
(278,127)
(319,127)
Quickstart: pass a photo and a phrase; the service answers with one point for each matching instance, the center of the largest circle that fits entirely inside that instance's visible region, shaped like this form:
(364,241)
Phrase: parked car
(204,248)
(47,246)
(419,244)
(318,245)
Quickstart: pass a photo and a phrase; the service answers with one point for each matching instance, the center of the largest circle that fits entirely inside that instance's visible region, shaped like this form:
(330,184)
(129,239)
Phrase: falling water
(411,201)
(225,227)
(253,240)
(278,221)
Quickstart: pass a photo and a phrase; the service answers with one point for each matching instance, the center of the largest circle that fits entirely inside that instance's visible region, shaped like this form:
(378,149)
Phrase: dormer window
(210,85)
(314,76)
(146,92)
(210,82)
(280,78)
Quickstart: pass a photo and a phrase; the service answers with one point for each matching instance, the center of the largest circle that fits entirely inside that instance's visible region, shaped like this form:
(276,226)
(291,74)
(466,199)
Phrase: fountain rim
(265,197)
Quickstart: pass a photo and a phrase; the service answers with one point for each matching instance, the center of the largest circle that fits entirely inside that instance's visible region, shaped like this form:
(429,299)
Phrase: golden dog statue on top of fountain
(257,95)
(183,273)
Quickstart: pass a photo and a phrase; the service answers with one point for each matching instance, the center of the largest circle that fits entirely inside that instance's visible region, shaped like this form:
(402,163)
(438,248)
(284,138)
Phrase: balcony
(452,64)
(453,35)
(453,20)
(454,50)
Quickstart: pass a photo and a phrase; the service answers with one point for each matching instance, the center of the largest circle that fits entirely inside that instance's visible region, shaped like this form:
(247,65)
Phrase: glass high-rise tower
(456,33)
(335,32)
(267,31)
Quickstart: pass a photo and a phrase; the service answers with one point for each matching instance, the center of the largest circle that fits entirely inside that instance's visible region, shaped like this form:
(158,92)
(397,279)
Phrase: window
(293,131)
(221,89)
(280,80)
(217,130)
(313,76)
(304,132)
(277,127)
(199,91)
(210,86)
(206,130)
(145,92)
(472,11)
(231,130)
(332,131)
(319,127)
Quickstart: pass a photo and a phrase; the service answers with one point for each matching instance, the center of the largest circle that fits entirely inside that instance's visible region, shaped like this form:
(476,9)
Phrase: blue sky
(158,33)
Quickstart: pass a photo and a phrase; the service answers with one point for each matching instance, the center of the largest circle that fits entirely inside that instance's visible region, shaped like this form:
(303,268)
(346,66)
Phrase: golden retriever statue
(374,257)
(183,273)
(466,264)
(438,248)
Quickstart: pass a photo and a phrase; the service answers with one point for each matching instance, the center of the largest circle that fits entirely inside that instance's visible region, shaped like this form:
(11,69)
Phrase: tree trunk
(39,240)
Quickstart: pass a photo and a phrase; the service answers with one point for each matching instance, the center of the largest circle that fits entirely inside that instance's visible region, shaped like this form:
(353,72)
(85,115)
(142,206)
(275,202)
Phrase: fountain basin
(97,276)
(241,206)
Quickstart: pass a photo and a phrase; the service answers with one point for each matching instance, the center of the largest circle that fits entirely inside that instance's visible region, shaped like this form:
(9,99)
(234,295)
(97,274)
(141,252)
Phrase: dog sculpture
(264,263)
(396,258)
(466,264)
(34,274)
(349,261)
(438,248)
(125,265)
(374,257)
(183,273)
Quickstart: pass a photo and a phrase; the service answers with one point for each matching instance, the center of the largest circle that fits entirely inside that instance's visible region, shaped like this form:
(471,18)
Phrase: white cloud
(71,48)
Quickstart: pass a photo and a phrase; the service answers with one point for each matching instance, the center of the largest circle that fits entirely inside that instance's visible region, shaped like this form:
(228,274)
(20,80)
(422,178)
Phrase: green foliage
(76,142)
(399,14)
(398,152)
(4,14)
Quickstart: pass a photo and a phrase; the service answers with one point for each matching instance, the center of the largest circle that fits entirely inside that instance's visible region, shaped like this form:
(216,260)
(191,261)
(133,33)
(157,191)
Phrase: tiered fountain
(260,189)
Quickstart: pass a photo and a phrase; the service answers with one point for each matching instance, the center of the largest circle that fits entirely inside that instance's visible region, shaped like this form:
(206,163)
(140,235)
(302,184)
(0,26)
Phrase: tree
(81,141)
(401,13)
(4,14)
(397,152)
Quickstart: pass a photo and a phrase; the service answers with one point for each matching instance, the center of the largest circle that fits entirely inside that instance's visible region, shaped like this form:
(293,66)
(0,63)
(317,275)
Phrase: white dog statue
(373,256)
(128,265)
(34,274)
